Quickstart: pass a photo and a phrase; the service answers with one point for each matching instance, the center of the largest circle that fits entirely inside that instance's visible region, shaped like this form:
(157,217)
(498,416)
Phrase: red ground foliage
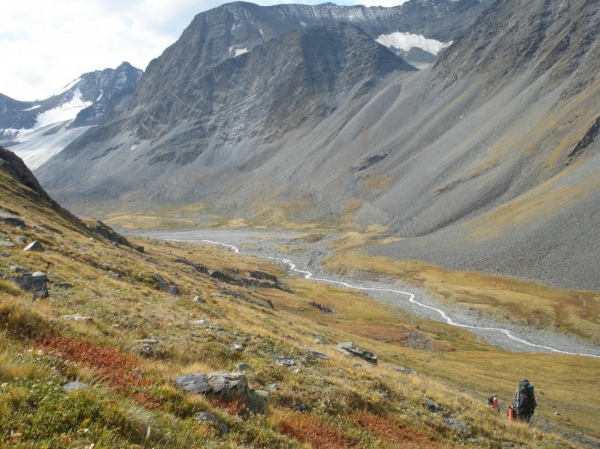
(236,407)
(310,429)
(112,366)
(390,429)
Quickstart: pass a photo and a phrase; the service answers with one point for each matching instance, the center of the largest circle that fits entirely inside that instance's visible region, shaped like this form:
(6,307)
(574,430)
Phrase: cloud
(46,44)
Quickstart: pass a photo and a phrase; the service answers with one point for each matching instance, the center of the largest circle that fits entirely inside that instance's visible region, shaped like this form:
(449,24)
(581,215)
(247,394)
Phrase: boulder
(432,405)
(321,307)
(162,284)
(350,349)
(34,246)
(207,417)
(241,367)
(198,299)
(227,387)
(37,283)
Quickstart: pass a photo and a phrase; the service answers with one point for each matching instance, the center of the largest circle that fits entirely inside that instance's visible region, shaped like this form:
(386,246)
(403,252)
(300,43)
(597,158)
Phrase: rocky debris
(350,349)
(197,266)
(114,276)
(267,304)
(417,340)
(36,283)
(78,317)
(198,299)
(458,425)
(34,246)
(314,353)
(162,284)
(200,322)
(11,220)
(285,361)
(404,370)
(207,417)
(257,279)
(261,275)
(9,244)
(321,307)
(432,405)
(21,239)
(62,285)
(227,387)
(75,386)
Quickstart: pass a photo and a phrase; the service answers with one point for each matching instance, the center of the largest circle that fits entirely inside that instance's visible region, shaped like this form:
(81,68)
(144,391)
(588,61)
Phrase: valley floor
(307,255)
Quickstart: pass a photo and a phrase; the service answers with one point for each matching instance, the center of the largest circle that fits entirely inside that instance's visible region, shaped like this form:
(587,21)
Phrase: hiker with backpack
(524,404)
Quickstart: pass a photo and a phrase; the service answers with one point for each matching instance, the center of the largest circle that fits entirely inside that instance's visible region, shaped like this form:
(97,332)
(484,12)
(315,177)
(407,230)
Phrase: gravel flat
(511,337)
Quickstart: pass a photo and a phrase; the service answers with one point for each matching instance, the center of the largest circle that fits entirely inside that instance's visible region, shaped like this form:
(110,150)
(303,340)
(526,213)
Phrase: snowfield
(39,148)
(66,111)
(406,41)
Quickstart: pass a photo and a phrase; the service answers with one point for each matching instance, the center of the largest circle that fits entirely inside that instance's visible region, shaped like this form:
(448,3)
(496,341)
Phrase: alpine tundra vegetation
(317,226)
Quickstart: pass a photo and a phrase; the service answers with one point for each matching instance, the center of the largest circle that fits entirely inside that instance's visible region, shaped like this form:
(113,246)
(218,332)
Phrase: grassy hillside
(132,399)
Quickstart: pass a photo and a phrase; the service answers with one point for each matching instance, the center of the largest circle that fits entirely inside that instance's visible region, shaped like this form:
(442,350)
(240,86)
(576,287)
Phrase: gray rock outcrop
(226,386)
(37,283)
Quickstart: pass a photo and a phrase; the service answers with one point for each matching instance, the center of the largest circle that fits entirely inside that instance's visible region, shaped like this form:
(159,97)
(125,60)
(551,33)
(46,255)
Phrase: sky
(45,44)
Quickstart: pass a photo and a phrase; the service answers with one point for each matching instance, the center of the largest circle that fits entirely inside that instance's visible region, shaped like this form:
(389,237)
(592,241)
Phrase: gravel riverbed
(511,337)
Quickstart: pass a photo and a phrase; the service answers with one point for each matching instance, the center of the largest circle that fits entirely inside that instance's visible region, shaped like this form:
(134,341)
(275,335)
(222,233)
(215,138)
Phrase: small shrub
(310,429)
(390,429)
(120,370)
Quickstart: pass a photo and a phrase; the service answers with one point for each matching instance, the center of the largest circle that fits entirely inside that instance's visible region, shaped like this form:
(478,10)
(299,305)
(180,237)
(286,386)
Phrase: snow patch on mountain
(66,111)
(36,147)
(406,41)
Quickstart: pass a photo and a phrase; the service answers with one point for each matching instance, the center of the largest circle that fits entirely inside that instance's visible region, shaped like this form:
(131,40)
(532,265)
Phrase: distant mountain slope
(83,102)
(489,160)
(220,116)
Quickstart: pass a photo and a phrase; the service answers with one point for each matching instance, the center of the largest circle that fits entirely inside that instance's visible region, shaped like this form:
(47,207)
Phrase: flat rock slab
(314,353)
(350,348)
(77,317)
(11,220)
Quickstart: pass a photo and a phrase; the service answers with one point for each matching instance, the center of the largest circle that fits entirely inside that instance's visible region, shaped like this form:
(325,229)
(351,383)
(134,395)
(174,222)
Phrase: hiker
(524,404)
(495,405)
